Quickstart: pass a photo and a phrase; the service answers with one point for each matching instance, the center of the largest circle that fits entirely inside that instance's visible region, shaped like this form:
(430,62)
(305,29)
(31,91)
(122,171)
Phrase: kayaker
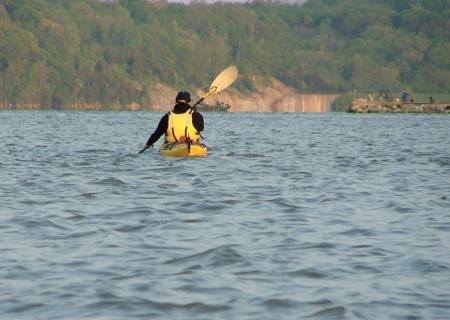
(182,124)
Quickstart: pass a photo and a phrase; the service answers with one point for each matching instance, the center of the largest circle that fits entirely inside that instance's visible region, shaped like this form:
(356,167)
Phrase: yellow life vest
(181,129)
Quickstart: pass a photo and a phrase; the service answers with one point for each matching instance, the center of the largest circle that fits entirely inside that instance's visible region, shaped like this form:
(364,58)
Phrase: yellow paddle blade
(224,80)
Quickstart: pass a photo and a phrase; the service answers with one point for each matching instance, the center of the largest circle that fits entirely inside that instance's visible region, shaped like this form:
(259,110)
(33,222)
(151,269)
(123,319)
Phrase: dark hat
(183,96)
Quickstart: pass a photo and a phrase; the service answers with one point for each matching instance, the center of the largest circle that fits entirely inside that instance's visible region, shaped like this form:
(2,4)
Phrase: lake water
(291,216)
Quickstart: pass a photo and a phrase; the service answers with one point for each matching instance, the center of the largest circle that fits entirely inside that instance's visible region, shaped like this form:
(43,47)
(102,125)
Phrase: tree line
(62,52)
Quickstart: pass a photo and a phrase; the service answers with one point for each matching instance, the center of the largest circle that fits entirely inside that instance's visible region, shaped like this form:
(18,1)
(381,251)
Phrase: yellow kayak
(181,149)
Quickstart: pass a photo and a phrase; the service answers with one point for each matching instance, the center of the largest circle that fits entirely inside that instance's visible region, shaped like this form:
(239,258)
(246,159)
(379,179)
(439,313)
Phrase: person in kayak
(182,124)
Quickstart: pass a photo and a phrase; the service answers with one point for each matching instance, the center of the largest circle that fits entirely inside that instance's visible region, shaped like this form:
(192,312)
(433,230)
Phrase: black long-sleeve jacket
(197,121)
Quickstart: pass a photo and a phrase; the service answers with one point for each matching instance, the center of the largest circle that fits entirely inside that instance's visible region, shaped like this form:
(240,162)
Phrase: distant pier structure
(379,101)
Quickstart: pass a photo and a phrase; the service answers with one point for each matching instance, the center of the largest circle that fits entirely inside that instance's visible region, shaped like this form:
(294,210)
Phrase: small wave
(358,232)
(35,223)
(304,174)
(67,174)
(293,215)
(130,228)
(192,220)
(251,155)
(366,268)
(282,303)
(93,151)
(168,186)
(321,199)
(74,235)
(429,266)
(207,207)
(248,272)
(209,290)
(308,273)
(65,164)
(83,164)
(199,183)
(111,182)
(89,194)
(397,207)
(194,307)
(320,245)
(321,302)
(219,256)
(75,215)
(403,209)
(28,183)
(440,227)
(361,246)
(25,307)
(443,161)
(337,313)
(381,252)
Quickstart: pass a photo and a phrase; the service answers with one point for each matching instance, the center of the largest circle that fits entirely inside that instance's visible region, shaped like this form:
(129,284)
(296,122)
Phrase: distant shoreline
(273,96)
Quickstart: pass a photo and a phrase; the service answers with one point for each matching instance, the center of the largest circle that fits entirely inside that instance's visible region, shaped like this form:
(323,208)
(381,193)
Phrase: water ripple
(219,256)
(348,220)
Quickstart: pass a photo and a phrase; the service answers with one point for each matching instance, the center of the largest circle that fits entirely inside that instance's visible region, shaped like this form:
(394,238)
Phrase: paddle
(220,83)
(145,148)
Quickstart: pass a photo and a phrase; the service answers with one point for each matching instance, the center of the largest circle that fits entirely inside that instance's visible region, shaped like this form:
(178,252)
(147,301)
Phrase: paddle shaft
(145,148)
(198,102)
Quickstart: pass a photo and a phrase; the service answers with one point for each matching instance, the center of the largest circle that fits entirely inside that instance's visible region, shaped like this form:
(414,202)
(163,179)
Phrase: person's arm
(159,131)
(197,121)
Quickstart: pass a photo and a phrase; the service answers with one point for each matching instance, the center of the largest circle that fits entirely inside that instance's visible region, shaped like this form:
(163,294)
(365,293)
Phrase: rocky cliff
(273,96)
